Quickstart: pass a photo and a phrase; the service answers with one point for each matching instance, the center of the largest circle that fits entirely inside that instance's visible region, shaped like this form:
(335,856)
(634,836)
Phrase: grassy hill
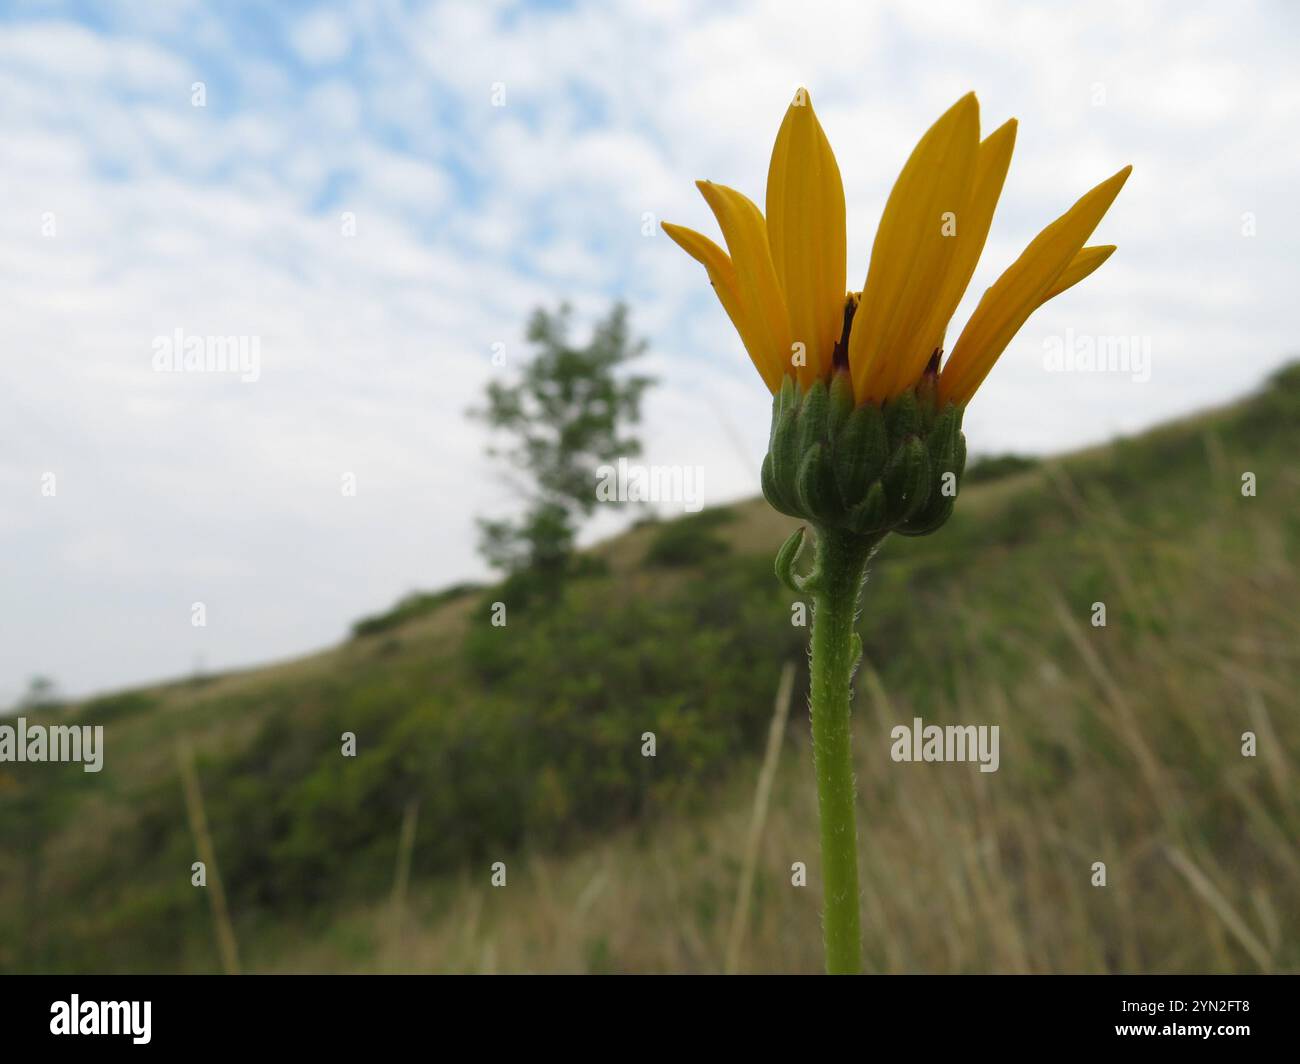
(523,744)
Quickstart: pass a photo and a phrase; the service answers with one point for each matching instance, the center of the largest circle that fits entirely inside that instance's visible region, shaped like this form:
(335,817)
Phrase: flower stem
(840,569)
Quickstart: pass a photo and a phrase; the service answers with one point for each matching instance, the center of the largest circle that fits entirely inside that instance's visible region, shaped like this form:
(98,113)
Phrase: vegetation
(42,693)
(568,413)
(416,604)
(691,540)
(997,466)
(1119,744)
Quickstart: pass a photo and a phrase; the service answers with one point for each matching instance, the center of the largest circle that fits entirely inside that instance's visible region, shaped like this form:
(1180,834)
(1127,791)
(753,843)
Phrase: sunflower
(866,416)
(783,282)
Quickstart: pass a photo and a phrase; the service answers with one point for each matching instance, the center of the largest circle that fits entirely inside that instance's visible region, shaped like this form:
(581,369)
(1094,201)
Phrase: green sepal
(784,447)
(772,492)
(952,460)
(814,487)
(787,557)
(841,402)
(860,450)
(907,481)
(869,515)
(942,442)
(811,422)
(927,402)
(935,514)
(902,418)
(945,445)
(788,395)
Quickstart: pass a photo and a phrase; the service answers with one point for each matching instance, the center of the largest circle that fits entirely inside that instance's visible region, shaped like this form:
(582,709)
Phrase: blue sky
(126,212)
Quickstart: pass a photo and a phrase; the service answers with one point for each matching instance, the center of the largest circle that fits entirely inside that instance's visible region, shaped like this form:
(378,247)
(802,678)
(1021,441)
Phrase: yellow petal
(911,253)
(761,300)
(805,229)
(1023,287)
(972,231)
(722,275)
(1080,266)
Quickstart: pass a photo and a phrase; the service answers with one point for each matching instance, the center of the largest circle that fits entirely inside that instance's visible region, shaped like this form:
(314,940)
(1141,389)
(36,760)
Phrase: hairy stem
(841,567)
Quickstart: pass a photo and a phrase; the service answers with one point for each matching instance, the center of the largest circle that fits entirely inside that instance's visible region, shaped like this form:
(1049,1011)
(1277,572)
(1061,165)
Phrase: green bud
(867,470)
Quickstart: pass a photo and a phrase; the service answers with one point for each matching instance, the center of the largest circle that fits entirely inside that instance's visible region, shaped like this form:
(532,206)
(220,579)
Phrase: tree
(566,415)
(42,693)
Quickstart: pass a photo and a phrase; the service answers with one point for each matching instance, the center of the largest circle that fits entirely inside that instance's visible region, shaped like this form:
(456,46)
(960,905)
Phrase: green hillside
(523,744)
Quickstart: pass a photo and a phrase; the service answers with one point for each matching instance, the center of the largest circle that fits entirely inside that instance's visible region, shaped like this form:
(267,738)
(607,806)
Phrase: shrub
(416,604)
(689,540)
(995,467)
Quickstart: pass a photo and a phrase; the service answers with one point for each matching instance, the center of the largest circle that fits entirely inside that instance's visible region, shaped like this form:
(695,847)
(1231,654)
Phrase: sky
(376,195)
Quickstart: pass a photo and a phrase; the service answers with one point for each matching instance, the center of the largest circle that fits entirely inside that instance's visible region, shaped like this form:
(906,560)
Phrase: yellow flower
(783,283)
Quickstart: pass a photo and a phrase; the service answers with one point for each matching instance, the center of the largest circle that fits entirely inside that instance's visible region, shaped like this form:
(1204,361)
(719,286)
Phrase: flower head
(782,278)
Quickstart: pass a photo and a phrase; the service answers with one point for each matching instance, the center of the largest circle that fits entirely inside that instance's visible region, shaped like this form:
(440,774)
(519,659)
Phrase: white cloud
(320,38)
